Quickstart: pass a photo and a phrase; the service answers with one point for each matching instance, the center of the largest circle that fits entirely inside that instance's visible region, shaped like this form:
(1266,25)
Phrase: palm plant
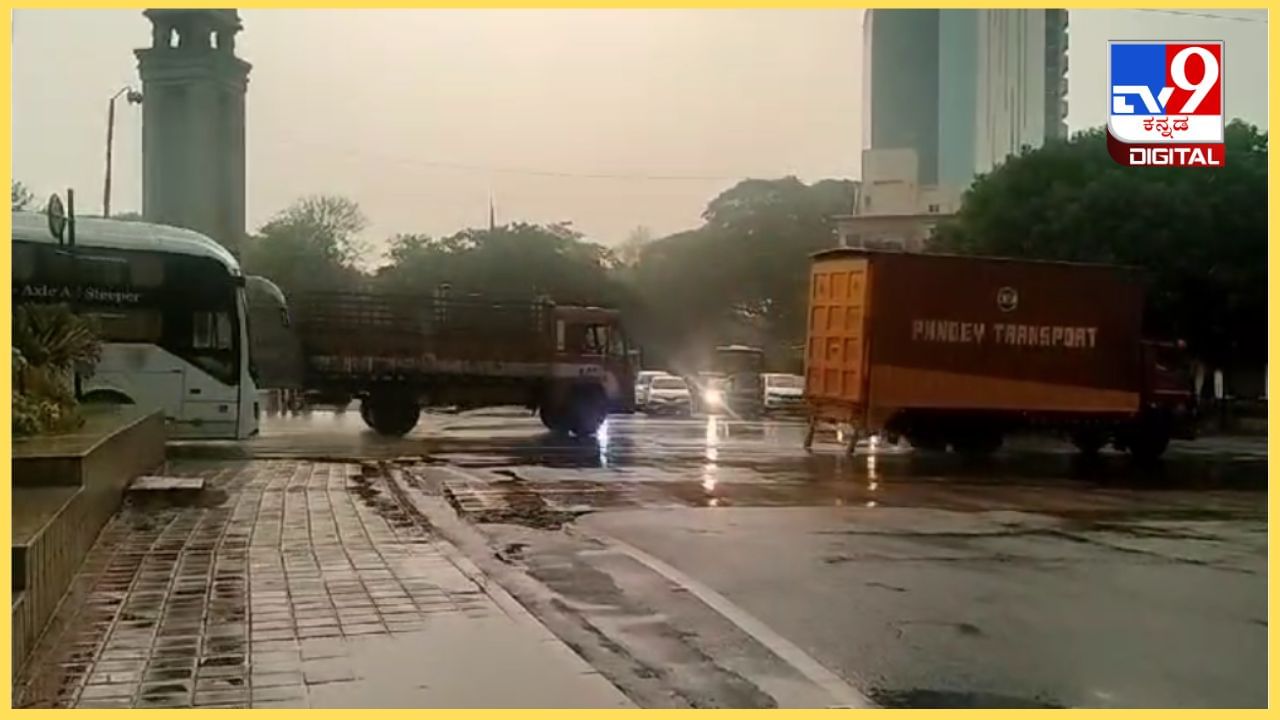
(49,343)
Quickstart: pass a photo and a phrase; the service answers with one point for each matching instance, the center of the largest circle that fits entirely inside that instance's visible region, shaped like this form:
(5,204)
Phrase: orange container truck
(958,351)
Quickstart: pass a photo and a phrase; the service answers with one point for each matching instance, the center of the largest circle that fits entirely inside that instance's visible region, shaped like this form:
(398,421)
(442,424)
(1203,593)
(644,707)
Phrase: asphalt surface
(712,563)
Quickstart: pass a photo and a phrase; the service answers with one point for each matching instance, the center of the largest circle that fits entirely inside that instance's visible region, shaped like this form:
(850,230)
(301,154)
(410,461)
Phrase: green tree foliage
(519,260)
(312,244)
(742,276)
(628,252)
(21,197)
(1200,235)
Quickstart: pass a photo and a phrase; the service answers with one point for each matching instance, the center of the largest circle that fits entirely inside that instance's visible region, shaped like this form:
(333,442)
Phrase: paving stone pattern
(247,594)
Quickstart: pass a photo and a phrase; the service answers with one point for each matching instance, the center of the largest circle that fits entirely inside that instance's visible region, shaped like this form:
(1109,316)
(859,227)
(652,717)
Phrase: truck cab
(1168,385)
(591,347)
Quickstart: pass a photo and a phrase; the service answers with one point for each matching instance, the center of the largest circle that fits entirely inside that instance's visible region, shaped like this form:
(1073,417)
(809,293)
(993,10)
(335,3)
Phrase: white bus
(170,304)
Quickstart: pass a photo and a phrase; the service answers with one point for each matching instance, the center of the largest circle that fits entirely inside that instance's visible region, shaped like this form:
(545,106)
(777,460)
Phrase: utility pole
(133,97)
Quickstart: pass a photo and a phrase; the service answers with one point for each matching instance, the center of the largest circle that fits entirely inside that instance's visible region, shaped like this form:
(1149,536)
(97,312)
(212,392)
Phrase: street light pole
(134,97)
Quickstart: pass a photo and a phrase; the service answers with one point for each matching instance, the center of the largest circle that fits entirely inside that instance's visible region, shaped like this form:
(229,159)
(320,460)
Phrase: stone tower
(193,139)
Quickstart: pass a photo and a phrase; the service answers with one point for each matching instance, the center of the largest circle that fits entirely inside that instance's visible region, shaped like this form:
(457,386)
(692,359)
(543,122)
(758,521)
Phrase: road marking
(841,692)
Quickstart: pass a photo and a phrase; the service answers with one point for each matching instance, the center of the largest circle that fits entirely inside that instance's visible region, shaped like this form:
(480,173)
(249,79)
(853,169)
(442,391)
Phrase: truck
(957,351)
(398,353)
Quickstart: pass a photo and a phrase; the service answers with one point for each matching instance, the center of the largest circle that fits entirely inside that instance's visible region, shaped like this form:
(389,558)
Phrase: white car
(643,378)
(668,394)
(783,392)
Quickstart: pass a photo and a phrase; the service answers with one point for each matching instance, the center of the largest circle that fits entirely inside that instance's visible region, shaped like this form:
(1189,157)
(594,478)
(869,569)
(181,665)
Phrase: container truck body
(957,351)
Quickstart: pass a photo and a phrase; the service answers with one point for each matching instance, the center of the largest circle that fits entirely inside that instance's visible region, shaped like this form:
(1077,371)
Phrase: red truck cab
(1168,386)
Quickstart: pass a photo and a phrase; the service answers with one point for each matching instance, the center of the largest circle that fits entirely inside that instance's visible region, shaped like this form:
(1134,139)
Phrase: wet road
(699,562)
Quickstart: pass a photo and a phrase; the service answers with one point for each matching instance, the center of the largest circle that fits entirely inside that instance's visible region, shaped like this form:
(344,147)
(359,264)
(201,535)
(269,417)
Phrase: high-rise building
(963,88)
(193,130)
(949,94)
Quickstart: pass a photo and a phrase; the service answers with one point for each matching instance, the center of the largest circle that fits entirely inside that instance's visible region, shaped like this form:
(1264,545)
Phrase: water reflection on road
(716,461)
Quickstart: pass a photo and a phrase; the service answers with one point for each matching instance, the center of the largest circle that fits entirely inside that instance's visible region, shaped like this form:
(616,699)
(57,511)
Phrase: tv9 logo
(1166,103)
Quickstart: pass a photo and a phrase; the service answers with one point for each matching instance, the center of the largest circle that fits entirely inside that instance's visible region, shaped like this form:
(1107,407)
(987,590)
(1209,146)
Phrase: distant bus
(170,305)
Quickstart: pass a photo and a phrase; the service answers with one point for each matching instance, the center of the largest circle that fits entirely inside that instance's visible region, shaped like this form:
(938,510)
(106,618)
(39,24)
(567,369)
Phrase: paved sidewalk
(292,584)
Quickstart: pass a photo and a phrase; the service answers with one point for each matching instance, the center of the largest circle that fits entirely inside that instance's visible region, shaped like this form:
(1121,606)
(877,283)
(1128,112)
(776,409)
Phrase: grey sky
(419,115)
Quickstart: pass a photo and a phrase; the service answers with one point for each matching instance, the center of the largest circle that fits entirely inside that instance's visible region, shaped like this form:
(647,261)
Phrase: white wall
(889,182)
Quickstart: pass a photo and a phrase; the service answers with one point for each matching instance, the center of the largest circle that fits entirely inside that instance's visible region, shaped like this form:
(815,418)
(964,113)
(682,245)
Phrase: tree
(314,243)
(1200,235)
(21,197)
(518,260)
(742,276)
(628,252)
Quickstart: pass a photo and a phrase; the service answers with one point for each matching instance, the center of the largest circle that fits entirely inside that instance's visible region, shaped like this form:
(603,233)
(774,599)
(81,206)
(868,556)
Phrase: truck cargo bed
(377,335)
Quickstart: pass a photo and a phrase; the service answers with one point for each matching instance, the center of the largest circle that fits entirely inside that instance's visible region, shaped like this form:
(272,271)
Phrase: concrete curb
(452,535)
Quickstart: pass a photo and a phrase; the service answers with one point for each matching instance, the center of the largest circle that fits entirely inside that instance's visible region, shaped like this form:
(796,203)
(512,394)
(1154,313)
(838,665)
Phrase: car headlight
(712,397)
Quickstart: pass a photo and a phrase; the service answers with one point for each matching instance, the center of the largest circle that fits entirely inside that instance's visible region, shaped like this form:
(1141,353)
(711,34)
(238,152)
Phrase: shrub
(49,344)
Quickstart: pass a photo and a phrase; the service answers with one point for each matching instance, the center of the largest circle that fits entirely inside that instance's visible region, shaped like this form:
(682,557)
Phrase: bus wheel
(392,414)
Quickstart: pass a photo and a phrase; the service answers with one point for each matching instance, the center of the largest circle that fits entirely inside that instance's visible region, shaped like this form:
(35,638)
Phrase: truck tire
(366,412)
(1089,442)
(977,442)
(587,410)
(927,441)
(1148,439)
(552,418)
(391,414)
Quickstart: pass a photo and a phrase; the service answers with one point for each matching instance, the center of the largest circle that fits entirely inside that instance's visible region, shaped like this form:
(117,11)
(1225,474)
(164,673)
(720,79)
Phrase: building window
(933,208)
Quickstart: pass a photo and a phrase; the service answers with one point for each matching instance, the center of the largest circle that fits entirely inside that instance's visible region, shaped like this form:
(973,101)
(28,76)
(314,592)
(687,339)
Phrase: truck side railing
(400,328)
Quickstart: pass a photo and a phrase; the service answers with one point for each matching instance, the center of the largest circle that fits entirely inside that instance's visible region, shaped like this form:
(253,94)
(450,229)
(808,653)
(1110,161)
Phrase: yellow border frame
(6,125)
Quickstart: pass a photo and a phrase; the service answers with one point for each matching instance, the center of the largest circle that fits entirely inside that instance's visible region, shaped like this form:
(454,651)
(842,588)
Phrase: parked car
(643,378)
(783,393)
(668,395)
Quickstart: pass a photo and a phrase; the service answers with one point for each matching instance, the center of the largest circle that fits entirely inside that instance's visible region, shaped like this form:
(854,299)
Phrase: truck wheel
(927,441)
(393,415)
(553,418)
(1088,442)
(1149,439)
(366,412)
(977,442)
(587,411)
